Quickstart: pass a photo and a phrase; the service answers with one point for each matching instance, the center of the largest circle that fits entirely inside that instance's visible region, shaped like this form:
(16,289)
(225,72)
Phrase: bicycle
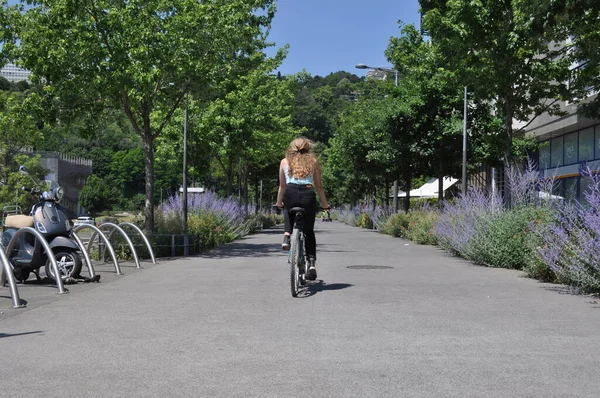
(296,255)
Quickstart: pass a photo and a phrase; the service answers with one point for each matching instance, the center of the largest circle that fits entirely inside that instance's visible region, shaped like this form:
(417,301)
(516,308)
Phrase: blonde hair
(301,160)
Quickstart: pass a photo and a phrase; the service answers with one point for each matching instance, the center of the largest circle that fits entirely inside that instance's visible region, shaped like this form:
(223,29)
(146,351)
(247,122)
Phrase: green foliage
(365,221)
(397,225)
(416,226)
(506,239)
(496,49)
(98,195)
(12,181)
(142,58)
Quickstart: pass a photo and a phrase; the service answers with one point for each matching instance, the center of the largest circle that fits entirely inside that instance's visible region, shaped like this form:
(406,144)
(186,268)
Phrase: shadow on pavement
(313,288)
(19,334)
(240,249)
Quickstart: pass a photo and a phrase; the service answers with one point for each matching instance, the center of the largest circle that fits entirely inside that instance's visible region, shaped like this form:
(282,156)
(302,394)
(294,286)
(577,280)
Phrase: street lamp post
(395,72)
(464,157)
(184,198)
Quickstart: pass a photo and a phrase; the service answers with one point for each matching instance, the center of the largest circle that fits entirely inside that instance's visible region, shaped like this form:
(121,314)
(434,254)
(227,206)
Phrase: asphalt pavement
(386,318)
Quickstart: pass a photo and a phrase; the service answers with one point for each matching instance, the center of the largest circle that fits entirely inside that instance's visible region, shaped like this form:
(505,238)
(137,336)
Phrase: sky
(327,36)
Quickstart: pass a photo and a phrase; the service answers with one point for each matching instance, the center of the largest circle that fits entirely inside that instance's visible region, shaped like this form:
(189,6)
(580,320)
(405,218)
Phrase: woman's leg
(309,202)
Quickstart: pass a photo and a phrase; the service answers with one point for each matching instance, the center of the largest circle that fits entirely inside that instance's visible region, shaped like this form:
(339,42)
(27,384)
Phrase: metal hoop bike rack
(132,225)
(98,232)
(123,233)
(7,271)
(49,253)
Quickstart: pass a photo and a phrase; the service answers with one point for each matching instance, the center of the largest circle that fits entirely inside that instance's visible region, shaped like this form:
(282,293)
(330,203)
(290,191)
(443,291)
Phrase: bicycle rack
(143,237)
(104,238)
(49,252)
(88,261)
(123,233)
(7,270)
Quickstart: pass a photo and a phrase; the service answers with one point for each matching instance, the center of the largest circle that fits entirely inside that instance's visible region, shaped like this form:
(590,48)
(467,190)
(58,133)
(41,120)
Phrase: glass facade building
(13,73)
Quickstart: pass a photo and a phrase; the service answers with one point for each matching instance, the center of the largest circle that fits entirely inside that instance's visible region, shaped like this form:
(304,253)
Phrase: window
(556,152)
(544,155)
(571,148)
(585,185)
(571,188)
(557,187)
(586,144)
(597,142)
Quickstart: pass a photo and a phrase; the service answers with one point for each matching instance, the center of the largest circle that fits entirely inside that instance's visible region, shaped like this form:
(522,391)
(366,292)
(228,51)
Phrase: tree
(434,98)
(362,155)
(577,25)
(142,57)
(497,51)
(98,195)
(18,129)
(247,130)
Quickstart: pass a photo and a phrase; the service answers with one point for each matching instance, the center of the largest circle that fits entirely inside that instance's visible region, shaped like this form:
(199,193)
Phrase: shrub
(397,225)
(417,226)
(464,219)
(365,221)
(506,239)
(570,247)
(212,221)
(421,227)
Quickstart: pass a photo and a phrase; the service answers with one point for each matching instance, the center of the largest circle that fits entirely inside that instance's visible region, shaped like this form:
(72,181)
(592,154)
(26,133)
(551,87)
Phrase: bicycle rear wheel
(295,262)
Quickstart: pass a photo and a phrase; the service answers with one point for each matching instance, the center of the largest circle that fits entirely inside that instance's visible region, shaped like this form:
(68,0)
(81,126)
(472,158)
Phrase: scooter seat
(18,221)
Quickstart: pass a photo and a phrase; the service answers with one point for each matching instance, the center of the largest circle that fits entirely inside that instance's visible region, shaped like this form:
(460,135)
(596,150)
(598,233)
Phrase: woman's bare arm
(319,187)
(281,189)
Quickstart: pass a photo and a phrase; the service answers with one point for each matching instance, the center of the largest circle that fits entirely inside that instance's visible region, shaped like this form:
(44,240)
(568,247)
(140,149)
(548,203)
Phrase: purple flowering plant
(570,247)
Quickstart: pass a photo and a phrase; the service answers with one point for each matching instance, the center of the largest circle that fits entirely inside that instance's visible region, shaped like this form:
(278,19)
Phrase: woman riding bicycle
(299,177)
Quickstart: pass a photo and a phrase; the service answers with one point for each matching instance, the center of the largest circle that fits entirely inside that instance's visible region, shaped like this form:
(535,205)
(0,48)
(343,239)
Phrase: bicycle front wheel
(295,262)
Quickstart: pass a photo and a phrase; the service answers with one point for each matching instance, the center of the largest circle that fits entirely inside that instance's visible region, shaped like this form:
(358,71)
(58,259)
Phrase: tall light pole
(184,199)
(395,72)
(464,157)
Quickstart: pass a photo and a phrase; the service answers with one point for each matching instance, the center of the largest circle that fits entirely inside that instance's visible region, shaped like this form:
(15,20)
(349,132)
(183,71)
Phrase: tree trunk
(149,169)
(508,158)
(440,189)
(246,196)
(229,179)
(387,194)
(408,186)
(258,199)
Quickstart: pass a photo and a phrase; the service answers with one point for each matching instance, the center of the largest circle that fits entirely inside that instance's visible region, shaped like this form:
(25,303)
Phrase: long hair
(301,160)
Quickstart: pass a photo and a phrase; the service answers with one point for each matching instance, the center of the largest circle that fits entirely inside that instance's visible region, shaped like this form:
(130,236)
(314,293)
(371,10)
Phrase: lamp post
(184,199)
(395,72)
(464,157)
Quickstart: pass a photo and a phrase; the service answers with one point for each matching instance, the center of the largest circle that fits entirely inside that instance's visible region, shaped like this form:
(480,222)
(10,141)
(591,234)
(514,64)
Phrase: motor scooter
(50,219)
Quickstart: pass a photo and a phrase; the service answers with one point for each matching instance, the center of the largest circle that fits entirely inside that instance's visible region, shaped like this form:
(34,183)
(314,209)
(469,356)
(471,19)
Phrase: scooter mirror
(23,170)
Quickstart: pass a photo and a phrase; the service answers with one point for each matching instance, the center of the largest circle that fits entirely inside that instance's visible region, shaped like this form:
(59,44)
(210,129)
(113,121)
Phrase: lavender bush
(212,220)
(465,220)
(479,228)
(570,247)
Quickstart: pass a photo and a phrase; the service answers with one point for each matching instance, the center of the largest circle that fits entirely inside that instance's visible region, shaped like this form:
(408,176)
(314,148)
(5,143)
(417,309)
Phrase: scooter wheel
(69,265)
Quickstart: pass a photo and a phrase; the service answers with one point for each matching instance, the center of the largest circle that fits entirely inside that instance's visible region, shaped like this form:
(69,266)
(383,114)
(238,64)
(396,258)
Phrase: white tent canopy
(430,188)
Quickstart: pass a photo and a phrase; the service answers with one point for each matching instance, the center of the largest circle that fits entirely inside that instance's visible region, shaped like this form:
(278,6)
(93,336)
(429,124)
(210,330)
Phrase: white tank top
(300,181)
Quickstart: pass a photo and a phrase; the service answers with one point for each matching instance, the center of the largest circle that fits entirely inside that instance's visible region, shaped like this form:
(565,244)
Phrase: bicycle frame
(297,253)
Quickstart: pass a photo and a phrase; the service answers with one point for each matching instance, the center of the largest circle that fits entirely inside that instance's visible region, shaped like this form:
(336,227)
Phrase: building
(13,73)
(71,173)
(378,74)
(568,146)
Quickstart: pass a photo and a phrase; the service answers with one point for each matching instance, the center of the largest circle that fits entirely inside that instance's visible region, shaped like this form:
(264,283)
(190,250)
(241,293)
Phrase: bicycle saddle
(297,210)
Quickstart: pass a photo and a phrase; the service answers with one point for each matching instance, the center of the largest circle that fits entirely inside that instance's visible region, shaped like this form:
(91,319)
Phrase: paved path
(225,325)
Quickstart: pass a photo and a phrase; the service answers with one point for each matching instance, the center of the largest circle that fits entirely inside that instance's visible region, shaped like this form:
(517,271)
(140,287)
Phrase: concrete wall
(71,173)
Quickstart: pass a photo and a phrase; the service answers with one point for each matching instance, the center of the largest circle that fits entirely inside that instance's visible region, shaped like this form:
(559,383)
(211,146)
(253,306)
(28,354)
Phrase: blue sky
(326,36)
